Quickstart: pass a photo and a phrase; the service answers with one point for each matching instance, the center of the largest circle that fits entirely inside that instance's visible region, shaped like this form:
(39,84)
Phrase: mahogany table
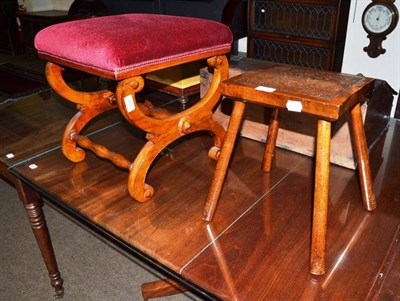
(256,248)
(260,235)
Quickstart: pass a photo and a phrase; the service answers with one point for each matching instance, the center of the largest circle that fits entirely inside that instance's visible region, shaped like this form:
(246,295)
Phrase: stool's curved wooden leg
(205,122)
(321,194)
(75,126)
(223,161)
(187,126)
(90,104)
(32,204)
(141,117)
(364,171)
(56,81)
(213,95)
(137,187)
(164,129)
(218,133)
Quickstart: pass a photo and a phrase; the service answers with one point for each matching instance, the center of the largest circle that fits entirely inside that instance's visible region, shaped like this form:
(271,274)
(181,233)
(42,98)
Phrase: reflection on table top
(34,125)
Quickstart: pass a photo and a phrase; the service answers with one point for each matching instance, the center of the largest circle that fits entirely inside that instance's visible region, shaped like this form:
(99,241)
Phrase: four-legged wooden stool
(324,94)
(124,48)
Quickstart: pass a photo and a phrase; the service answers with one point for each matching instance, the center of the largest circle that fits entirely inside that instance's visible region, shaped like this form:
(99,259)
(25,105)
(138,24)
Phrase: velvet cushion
(116,44)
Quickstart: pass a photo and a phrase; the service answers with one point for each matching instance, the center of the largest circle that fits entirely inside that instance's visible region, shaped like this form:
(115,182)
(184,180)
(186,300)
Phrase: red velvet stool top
(125,45)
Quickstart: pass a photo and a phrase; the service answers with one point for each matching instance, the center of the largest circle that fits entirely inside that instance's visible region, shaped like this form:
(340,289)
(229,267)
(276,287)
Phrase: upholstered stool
(124,48)
(324,94)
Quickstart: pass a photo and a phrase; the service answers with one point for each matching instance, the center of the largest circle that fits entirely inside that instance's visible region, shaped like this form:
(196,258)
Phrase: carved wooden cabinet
(306,33)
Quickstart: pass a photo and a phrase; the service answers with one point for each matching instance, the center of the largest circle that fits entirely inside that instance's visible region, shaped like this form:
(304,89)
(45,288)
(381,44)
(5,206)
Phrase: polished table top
(169,227)
(35,124)
(257,246)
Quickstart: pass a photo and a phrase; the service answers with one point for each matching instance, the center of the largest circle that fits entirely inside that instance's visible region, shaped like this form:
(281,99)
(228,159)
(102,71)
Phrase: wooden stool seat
(324,94)
(123,48)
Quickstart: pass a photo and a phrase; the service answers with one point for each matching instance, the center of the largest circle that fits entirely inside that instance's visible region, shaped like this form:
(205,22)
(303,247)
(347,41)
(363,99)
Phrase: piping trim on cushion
(152,62)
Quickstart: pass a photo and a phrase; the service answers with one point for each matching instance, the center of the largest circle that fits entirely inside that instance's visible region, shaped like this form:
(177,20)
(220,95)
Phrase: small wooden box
(297,132)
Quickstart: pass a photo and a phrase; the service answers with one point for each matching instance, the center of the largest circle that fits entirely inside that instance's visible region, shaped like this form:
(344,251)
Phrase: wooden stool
(124,48)
(324,94)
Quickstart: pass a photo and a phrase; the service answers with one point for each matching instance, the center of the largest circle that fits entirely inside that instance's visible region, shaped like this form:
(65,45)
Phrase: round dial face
(377,19)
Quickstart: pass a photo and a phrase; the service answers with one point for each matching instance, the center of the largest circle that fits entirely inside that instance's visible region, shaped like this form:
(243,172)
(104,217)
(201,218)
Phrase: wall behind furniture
(356,60)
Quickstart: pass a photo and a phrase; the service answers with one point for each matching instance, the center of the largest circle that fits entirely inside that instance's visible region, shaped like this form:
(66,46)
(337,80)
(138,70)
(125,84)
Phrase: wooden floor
(257,247)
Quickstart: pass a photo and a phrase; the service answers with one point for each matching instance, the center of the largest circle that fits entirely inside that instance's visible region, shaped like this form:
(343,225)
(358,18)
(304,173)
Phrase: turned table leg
(321,194)
(32,204)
